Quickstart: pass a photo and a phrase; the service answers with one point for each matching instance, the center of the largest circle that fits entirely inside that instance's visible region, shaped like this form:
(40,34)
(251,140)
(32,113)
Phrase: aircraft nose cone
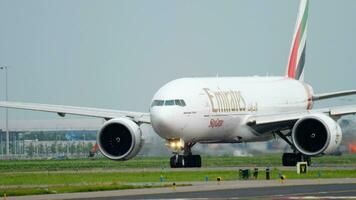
(164,122)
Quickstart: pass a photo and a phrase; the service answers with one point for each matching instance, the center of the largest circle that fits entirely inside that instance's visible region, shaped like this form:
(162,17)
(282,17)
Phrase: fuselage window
(169,103)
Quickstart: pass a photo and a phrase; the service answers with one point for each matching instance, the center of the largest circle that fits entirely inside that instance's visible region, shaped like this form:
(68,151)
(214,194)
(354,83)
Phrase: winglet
(296,60)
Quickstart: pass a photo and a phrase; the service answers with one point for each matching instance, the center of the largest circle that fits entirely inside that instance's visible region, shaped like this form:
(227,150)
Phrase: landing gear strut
(186,160)
(291,159)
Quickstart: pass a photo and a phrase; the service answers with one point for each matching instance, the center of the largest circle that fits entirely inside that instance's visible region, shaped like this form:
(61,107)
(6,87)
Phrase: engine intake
(316,134)
(120,139)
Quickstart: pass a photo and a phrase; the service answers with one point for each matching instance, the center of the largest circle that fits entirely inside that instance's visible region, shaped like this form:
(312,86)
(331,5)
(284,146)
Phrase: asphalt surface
(240,189)
(330,191)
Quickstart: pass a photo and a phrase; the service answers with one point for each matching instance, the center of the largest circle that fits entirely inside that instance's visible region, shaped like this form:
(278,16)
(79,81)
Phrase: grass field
(54,176)
(160,162)
(29,183)
(73,178)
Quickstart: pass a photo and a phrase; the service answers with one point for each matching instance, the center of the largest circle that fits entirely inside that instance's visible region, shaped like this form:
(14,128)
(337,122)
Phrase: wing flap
(83,111)
(282,117)
(271,118)
(342,110)
(285,121)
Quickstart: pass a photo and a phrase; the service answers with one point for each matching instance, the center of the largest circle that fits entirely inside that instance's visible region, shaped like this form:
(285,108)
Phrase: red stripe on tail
(293,58)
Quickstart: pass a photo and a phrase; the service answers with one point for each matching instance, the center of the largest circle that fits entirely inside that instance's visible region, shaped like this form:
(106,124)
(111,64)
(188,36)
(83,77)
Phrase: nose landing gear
(186,160)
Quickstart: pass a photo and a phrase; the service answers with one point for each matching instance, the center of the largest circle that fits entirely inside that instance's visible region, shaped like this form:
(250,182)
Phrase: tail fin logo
(297,54)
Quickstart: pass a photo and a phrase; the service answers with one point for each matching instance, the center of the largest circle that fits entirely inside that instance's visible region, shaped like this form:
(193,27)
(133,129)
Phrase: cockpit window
(169,103)
(178,102)
(157,103)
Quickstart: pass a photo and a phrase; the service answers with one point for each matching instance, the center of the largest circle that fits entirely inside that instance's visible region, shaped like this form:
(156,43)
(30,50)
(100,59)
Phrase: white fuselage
(216,109)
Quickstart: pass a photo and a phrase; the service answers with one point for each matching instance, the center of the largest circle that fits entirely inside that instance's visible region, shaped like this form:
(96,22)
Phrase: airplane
(207,110)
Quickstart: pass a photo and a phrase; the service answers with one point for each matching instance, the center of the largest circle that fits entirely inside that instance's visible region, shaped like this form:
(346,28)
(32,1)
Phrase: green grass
(85,178)
(159,162)
(33,183)
(80,164)
(19,177)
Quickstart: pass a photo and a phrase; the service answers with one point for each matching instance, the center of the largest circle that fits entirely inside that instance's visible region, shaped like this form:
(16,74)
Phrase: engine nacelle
(316,134)
(120,139)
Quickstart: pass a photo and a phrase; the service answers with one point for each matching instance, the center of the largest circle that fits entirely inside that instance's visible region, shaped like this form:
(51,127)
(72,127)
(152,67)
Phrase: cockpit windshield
(170,102)
(179,102)
(157,103)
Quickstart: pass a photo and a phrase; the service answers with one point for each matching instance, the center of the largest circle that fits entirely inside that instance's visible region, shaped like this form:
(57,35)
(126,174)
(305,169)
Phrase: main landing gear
(187,160)
(291,159)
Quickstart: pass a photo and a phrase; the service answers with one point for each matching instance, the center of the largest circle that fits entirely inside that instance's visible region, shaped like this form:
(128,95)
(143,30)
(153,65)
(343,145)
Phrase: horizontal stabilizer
(333,95)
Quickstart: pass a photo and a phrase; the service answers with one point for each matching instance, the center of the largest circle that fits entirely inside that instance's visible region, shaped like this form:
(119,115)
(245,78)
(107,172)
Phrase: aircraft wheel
(196,161)
(180,161)
(176,161)
(289,159)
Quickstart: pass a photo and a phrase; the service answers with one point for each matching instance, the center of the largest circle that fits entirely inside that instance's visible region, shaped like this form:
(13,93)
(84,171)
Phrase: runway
(261,189)
(331,191)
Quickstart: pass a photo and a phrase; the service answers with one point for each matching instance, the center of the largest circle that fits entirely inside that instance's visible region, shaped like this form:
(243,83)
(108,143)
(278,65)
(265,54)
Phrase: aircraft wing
(285,121)
(83,111)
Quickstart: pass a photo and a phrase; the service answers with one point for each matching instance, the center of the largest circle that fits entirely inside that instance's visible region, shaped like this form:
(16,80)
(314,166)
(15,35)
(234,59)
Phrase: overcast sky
(116,54)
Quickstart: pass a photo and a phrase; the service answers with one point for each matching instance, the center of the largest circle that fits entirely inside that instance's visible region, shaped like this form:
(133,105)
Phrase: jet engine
(316,134)
(120,139)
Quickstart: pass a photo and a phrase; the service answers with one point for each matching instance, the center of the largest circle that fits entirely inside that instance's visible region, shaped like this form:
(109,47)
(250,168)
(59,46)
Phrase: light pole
(7,114)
